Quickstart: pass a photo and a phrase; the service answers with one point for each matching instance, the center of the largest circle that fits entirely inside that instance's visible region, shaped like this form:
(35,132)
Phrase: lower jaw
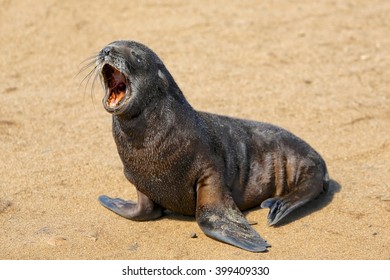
(120,108)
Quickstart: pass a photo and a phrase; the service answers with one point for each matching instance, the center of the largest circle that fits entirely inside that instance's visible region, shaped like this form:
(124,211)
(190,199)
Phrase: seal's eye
(137,57)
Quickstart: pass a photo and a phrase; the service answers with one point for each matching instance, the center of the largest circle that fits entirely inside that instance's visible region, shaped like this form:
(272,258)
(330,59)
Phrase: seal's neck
(156,119)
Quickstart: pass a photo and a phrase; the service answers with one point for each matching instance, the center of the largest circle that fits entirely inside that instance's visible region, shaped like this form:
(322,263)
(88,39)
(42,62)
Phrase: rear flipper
(219,218)
(281,206)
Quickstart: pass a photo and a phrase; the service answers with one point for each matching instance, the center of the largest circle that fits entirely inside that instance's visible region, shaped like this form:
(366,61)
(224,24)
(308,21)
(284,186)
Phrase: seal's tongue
(117,88)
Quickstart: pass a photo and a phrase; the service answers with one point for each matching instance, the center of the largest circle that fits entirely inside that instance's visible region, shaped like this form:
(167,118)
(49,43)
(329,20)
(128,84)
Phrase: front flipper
(145,209)
(219,218)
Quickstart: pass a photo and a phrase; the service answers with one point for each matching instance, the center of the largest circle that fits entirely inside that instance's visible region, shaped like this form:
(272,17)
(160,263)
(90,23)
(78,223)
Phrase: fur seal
(198,163)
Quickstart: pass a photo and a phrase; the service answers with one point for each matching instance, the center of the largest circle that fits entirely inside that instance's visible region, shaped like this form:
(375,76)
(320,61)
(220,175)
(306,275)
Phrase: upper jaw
(117,88)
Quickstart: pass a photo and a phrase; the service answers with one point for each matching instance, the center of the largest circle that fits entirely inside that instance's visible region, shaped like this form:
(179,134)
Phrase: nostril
(107,50)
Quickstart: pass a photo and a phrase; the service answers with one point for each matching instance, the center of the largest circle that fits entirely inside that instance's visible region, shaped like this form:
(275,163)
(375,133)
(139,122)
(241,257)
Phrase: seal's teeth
(116,96)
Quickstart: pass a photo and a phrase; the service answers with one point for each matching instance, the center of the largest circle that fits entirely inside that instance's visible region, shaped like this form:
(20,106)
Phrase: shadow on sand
(315,205)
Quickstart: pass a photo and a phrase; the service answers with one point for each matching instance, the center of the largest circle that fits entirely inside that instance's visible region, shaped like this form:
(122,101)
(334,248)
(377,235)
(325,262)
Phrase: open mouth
(116,87)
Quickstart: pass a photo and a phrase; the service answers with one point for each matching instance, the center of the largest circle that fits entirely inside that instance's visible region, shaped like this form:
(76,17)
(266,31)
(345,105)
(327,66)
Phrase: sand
(318,68)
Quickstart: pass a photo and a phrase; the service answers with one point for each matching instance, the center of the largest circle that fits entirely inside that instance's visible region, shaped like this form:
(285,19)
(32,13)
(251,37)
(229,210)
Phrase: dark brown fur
(196,163)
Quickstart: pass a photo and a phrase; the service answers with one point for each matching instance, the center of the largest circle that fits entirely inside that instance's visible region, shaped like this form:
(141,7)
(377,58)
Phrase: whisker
(87,78)
(92,61)
(93,83)
(88,62)
(86,66)
(92,57)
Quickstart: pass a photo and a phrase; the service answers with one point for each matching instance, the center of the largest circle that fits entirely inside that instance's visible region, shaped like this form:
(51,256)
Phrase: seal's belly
(178,200)
(170,192)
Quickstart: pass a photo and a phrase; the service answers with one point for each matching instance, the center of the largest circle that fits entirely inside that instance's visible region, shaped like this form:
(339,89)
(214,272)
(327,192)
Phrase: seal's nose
(106,51)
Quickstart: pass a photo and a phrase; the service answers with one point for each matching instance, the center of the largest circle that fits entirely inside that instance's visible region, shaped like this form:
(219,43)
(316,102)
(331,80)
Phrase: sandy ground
(317,68)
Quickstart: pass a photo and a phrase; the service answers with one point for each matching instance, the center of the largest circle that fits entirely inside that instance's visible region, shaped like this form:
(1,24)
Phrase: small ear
(163,78)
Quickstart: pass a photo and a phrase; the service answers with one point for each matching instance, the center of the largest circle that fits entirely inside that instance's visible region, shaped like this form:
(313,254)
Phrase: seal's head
(132,76)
